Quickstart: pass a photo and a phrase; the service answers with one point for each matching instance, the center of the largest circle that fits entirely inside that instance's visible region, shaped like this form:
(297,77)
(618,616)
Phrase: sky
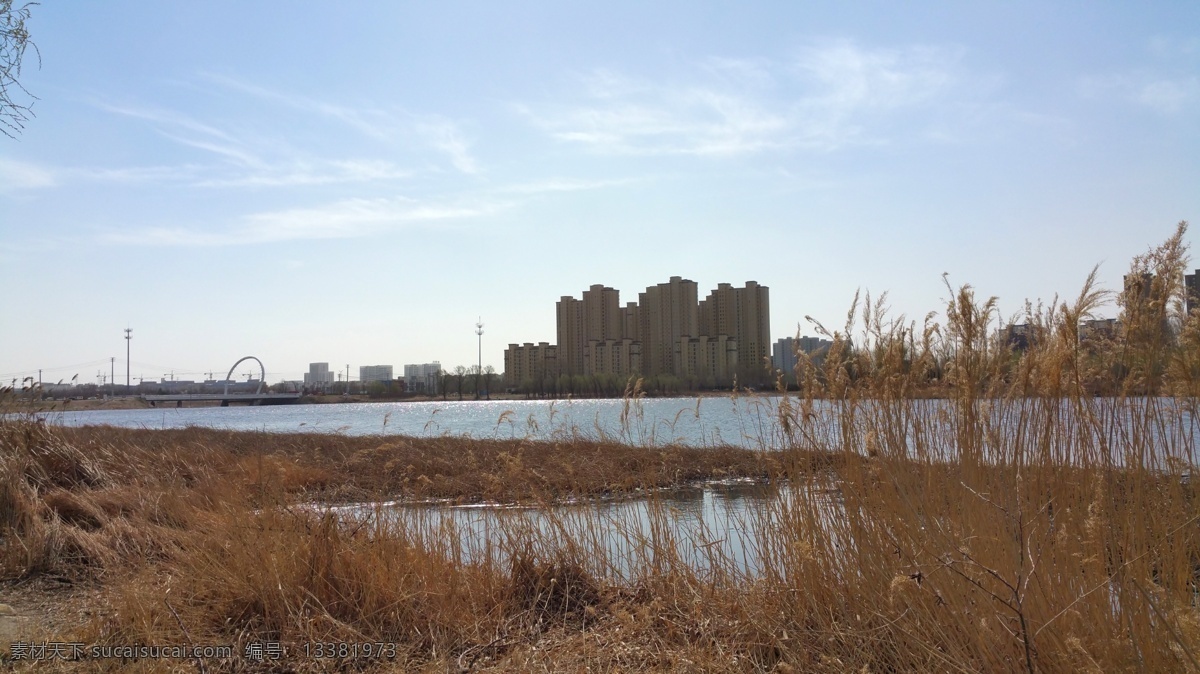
(359,183)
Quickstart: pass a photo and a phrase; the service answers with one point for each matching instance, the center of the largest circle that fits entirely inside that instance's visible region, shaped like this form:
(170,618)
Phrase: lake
(1114,427)
(703,422)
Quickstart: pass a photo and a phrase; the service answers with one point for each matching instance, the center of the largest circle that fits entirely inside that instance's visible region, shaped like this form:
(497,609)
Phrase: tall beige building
(711,361)
(666,312)
(743,314)
(601,314)
(629,322)
(570,334)
(619,357)
(598,317)
(529,365)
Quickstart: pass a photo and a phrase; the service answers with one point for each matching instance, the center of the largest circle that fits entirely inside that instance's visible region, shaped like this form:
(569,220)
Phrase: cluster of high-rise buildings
(668,331)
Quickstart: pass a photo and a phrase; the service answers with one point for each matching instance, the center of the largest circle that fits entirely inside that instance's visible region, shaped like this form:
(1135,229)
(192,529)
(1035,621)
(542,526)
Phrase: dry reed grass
(950,505)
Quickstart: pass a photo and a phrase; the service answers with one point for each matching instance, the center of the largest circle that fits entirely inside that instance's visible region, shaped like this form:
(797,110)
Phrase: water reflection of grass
(1018,524)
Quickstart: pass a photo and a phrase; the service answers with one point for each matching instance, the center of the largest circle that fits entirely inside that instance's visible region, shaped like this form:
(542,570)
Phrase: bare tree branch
(14,39)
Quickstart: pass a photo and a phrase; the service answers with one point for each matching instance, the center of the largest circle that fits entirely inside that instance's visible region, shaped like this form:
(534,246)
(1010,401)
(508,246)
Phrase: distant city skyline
(362,186)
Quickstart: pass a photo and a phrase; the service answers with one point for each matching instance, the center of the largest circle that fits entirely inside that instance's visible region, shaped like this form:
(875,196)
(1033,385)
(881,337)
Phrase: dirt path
(32,612)
(18,625)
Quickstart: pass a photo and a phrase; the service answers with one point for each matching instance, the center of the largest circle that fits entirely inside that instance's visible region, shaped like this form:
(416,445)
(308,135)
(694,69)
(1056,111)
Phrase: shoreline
(18,406)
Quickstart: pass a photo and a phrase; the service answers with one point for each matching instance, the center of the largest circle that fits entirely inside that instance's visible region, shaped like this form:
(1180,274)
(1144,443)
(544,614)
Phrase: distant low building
(318,375)
(370,373)
(1100,328)
(423,378)
(784,353)
(1191,291)
(1021,336)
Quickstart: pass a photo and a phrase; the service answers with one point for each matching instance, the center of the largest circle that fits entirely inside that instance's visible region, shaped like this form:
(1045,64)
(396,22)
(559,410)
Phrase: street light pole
(479,370)
(128,332)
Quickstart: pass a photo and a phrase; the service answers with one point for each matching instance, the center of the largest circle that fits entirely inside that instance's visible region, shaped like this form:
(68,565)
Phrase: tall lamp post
(128,332)
(479,370)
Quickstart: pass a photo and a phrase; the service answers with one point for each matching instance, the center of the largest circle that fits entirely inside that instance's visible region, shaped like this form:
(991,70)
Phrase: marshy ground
(1041,517)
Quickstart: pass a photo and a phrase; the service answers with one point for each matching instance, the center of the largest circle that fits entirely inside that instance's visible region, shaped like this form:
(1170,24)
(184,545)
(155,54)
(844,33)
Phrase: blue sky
(357,183)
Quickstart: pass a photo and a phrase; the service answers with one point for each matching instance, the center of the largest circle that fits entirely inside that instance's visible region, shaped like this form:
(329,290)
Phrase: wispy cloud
(372,122)
(563,185)
(185,173)
(165,119)
(242,162)
(826,96)
(445,136)
(348,218)
(626,116)
(851,78)
(307,173)
(437,132)
(1162,94)
(1168,85)
(1169,96)
(18,175)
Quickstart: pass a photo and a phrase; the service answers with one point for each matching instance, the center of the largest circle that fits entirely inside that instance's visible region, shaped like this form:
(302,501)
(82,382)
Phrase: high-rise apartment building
(710,361)
(744,315)
(601,314)
(530,365)
(666,312)
(570,334)
(598,317)
(619,357)
(629,322)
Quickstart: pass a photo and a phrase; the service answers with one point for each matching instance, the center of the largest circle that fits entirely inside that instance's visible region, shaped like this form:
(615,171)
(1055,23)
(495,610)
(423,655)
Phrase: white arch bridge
(225,397)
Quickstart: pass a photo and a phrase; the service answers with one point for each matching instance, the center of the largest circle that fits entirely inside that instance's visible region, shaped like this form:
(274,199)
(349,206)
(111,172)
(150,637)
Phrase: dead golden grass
(1019,523)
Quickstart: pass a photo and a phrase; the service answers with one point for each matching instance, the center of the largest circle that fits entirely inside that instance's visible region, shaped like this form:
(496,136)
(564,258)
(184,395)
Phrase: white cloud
(1169,96)
(829,95)
(308,173)
(348,218)
(1174,49)
(444,135)
(628,117)
(562,185)
(165,118)
(253,162)
(18,175)
(1164,95)
(851,79)
(437,132)
(137,174)
(1167,84)
(757,72)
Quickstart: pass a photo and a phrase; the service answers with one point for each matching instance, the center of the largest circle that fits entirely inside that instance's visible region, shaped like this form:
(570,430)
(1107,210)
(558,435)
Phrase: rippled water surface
(694,421)
(716,527)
